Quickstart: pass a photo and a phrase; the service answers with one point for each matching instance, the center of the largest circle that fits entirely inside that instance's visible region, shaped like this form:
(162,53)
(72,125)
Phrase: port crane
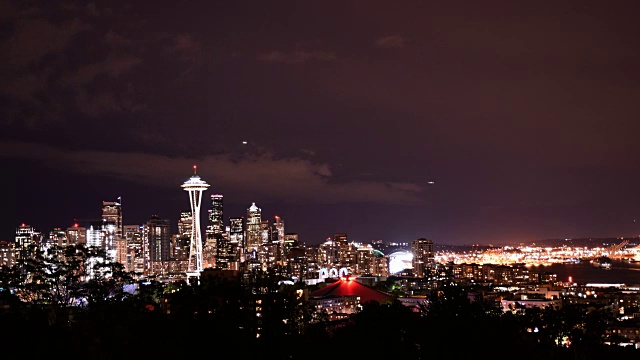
(613,251)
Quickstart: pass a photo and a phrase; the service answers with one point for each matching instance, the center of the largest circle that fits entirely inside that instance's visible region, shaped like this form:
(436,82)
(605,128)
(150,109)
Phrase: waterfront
(621,272)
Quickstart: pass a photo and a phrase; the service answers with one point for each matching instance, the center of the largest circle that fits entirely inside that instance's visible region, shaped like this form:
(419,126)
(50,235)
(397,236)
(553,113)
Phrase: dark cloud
(296,57)
(390,41)
(69,62)
(47,76)
(265,176)
(185,44)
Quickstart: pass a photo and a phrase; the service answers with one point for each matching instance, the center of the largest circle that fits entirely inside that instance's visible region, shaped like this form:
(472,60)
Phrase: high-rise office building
(57,237)
(95,235)
(25,239)
(137,249)
(292,239)
(112,214)
(216,247)
(289,242)
(185,224)
(216,219)
(277,229)
(182,243)
(423,257)
(347,251)
(195,187)
(254,231)
(110,240)
(266,250)
(101,235)
(157,238)
(122,250)
(364,260)
(77,235)
(277,238)
(296,262)
(236,242)
(157,233)
(328,254)
(114,243)
(7,253)
(380,264)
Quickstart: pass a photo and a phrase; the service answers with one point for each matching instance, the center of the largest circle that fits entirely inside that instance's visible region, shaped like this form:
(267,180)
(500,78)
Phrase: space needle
(195,186)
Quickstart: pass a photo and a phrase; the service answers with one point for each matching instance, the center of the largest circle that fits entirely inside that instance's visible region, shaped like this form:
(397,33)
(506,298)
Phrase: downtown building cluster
(243,244)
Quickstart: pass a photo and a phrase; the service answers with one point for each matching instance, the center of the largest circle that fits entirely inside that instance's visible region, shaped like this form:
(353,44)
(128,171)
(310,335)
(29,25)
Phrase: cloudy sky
(461,121)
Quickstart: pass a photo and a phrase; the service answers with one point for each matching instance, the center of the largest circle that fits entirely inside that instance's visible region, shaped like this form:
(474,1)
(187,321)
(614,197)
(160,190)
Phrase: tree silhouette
(74,299)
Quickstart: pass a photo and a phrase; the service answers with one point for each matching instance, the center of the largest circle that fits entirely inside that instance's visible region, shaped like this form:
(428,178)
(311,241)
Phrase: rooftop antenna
(194,169)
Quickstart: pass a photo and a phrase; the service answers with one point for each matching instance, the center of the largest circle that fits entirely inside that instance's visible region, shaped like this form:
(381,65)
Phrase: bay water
(620,272)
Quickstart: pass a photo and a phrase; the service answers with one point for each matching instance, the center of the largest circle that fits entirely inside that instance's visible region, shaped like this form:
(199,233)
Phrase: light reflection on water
(584,272)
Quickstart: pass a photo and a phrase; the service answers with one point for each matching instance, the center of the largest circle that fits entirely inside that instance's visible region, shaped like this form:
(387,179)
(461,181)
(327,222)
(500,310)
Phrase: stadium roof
(351,288)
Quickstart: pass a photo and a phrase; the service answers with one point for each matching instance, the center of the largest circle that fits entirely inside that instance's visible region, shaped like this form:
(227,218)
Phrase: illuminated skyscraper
(112,213)
(7,253)
(25,238)
(277,238)
(114,242)
(137,249)
(254,231)
(182,240)
(290,241)
(185,224)
(215,216)
(157,235)
(77,235)
(346,251)
(236,242)
(217,245)
(277,231)
(95,235)
(195,187)
(423,257)
(99,235)
(57,237)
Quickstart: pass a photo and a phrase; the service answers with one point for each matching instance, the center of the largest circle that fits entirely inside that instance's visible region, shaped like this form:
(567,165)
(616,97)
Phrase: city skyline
(462,122)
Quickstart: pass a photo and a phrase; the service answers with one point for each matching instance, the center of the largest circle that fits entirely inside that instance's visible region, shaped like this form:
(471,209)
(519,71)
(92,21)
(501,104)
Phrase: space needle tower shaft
(195,187)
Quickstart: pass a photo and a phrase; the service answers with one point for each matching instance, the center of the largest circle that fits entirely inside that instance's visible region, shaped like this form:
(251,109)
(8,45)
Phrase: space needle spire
(195,187)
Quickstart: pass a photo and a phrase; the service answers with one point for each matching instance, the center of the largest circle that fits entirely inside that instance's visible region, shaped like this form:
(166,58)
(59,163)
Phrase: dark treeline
(41,317)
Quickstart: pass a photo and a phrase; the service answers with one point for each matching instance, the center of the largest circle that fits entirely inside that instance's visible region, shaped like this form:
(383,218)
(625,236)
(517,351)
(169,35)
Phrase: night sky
(463,122)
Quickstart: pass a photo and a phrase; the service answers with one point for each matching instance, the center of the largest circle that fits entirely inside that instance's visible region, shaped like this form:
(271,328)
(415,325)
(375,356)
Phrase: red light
(75,225)
(570,278)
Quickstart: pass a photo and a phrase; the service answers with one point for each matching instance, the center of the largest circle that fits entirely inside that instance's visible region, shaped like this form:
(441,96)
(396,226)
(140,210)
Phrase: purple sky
(525,116)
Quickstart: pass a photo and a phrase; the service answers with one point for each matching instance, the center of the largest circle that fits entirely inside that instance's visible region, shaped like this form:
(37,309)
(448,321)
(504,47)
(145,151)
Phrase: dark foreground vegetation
(41,318)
